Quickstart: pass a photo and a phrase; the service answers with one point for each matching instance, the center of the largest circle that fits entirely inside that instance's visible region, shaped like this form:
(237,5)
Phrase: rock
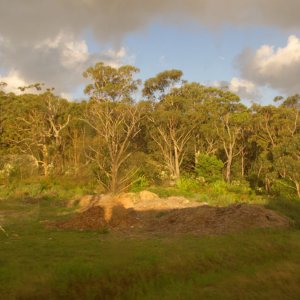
(126,200)
(147,196)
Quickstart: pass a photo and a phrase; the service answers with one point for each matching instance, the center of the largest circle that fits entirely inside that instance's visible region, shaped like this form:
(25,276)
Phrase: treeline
(176,129)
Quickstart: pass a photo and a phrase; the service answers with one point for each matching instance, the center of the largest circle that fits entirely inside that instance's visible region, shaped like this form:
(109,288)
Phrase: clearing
(142,248)
(145,212)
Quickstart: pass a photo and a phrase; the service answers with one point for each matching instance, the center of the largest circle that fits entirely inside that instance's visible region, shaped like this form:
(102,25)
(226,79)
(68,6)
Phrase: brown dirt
(220,220)
(142,201)
(94,218)
(146,212)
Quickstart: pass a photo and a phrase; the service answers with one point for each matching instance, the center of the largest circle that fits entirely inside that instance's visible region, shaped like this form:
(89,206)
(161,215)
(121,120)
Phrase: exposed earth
(145,212)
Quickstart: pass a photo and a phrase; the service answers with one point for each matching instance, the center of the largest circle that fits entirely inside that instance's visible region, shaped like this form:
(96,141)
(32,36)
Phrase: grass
(220,194)
(51,188)
(40,263)
(286,206)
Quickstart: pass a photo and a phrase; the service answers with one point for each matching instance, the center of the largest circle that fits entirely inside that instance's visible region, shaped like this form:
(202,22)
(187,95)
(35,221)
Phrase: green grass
(221,194)
(39,263)
(52,188)
(286,206)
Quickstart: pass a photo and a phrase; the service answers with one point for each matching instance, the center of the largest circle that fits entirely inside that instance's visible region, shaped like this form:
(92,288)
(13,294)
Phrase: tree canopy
(162,130)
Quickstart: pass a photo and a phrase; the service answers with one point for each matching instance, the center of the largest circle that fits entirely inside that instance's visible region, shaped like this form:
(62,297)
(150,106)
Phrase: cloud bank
(44,40)
(35,19)
(58,62)
(276,68)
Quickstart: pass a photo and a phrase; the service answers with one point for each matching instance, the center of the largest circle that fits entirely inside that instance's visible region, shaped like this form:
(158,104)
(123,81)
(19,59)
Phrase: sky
(251,46)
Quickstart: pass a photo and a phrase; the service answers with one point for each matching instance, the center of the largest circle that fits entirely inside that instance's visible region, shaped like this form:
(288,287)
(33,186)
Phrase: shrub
(219,187)
(283,188)
(139,184)
(209,167)
(239,187)
(187,184)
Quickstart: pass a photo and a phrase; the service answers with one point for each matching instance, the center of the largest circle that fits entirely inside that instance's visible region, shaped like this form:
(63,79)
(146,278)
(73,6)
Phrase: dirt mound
(90,219)
(95,219)
(142,201)
(198,220)
(219,220)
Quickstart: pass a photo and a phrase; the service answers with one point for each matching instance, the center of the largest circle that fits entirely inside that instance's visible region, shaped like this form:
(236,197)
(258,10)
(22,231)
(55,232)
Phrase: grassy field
(40,263)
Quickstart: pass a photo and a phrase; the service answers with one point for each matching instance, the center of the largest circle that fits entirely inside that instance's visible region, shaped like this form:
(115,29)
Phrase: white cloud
(67,96)
(13,81)
(244,88)
(277,68)
(45,42)
(121,53)
(58,62)
(116,58)
(72,52)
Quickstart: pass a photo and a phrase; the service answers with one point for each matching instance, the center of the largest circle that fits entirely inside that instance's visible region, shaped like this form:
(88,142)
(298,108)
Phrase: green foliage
(156,87)
(146,166)
(188,184)
(283,188)
(223,193)
(52,188)
(139,184)
(7,172)
(111,137)
(209,167)
(219,187)
(165,192)
(286,205)
(239,187)
(111,84)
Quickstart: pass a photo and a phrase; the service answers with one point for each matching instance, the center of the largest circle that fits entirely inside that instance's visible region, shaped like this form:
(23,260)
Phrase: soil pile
(219,220)
(95,219)
(141,201)
(148,213)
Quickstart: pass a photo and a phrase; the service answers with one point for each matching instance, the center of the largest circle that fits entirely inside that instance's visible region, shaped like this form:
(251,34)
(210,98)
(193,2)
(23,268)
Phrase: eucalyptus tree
(75,139)
(2,113)
(115,118)
(170,123)
(111,84)
(228,117)
(276,132)
(155,88)
(38,130)
(287,162)
(286,152)
(220,118)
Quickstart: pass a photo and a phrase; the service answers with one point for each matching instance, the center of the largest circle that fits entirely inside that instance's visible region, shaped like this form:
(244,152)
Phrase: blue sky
(205,55)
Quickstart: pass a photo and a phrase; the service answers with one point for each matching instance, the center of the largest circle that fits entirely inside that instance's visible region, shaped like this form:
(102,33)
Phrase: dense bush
(139,184)
(284,189)
(188,184)
(209,167)
(52,188)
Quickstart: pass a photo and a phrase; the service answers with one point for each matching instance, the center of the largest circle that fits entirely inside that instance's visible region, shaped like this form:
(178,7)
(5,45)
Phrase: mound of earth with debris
(141,201)
(146,212)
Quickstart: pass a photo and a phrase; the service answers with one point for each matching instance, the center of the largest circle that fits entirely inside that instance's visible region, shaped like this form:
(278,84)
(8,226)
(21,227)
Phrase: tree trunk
(177,168)
(228,170)
(267,185)
(228,165)
(297,184)
(45,161)
(243,165)
(114,179)
(197,154)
